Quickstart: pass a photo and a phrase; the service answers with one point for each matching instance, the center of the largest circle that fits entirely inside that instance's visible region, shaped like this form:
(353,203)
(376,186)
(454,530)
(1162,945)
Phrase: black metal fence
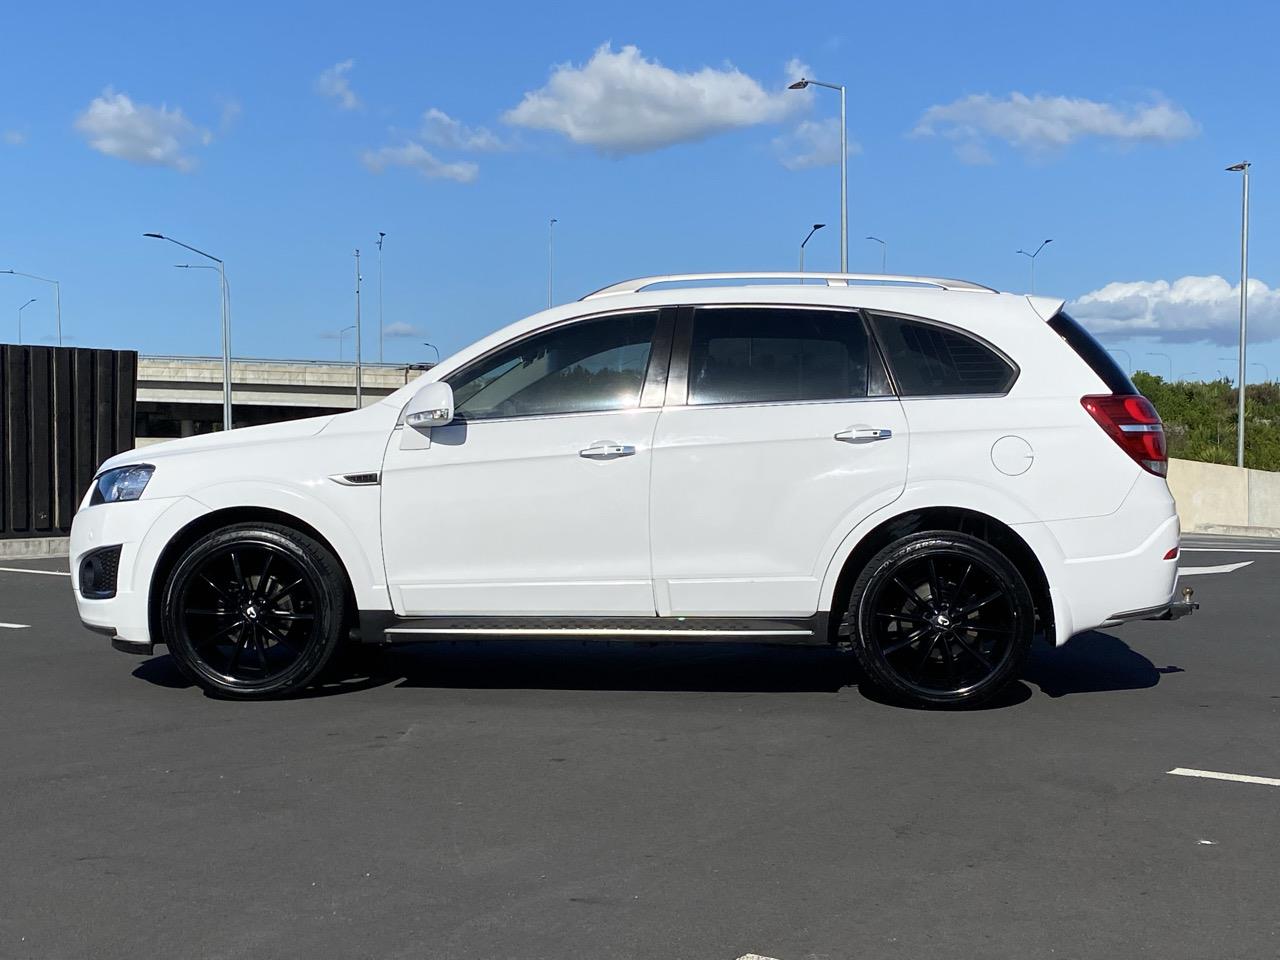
(63,410)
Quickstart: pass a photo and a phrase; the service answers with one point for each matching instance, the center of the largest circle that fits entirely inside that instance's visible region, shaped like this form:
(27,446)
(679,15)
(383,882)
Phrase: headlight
(122,483)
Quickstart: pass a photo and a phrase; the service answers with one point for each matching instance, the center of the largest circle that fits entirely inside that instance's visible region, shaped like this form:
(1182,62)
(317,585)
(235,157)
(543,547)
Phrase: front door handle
(864,434)
(607,450)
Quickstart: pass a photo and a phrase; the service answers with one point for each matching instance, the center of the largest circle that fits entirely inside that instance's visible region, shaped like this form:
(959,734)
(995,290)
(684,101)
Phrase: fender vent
(356,479)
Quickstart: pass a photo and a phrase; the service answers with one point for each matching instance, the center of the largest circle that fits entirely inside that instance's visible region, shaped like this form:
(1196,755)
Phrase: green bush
(1200,419)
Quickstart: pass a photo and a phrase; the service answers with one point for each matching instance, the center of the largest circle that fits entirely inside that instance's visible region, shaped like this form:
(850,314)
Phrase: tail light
(1132,422)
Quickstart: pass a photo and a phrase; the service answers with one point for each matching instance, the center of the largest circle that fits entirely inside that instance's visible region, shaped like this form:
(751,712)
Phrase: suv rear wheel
(254,611)
(941,619)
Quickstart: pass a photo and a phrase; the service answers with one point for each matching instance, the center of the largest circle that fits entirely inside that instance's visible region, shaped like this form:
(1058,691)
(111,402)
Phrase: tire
(941,619)
(255,611)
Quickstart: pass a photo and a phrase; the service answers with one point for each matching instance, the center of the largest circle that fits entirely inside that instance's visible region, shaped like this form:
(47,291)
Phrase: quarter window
(588,366)
(767,354)
(931,360)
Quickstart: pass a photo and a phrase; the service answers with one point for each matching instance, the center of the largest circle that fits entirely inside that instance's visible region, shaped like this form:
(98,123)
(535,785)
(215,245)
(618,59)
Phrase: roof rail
(831,280)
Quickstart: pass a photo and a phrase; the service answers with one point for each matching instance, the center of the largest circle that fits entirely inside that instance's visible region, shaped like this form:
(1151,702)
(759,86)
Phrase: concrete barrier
(1216,498)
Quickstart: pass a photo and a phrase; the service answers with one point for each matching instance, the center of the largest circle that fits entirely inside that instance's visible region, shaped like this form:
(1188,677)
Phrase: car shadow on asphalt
(1094,662)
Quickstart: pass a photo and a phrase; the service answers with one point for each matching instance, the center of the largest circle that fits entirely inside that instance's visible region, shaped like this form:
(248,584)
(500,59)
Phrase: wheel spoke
(911,594)
(216,589)
(280,638)
(288,615)
(949,659)
(926,650)
(259,647)
(235,654)
(283,590)
(241,582)
(907,640)
(261,588)
(935,588)
(973,608)
(964,578)
(214,638)
(206,612)
(911,617)
(972,651)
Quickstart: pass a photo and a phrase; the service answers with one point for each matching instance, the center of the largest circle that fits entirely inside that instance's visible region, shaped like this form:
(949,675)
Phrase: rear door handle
(864,434)
(607,450)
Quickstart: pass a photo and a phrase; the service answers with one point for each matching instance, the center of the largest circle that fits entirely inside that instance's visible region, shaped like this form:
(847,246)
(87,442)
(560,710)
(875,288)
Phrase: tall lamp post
(342,333)
(1168,359)
(57,294)
(381,235)
(844,167)
(1033,261)
(359,370)
(884,254)
(435,348)
(551,258)
(226,324)
(1243,168)
(816,228)
(20,309)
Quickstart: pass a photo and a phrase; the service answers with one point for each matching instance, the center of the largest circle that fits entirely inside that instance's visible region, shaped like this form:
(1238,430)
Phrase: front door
(781,436)
(535,500)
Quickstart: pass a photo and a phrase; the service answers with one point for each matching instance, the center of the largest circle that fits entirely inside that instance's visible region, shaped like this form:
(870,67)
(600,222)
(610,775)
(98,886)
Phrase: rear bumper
(1175,610)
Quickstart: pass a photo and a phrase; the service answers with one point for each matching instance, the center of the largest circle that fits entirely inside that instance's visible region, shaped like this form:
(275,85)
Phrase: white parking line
(47,573)
(1221,568)
(1214,775)
(15,626)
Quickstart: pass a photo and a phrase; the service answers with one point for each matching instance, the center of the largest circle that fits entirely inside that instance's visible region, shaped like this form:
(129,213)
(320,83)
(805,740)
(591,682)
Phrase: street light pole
(884,254)
(380,334)
(1128,357)
(342,333)
(1033,261)
(1168,359)
(1243,168)
(435,348)
(551,258)
(20,309)
(816,228)
(844,166)
(359,378)
(57,295)
(226,324)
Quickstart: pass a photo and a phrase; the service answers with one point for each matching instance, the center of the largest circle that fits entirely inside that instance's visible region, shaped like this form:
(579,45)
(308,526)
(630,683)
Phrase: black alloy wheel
(941,619)
(254,611)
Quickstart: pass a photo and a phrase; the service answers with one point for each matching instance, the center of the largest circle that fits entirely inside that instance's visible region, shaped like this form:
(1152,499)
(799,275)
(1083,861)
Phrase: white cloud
(620,103)
(813,143)
(442,130)
(1187,310)
(401,330)
(415,156)
(333,83)
(1042,122)
(115,125)
(14,138)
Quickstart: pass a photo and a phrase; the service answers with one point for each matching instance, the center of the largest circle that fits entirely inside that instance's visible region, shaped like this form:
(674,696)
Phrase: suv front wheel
(941,619)
(254,611)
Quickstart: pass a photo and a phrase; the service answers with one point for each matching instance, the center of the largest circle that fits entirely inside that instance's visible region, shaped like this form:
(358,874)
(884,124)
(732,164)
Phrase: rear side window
(1093,353)
(929,360)
(773,354)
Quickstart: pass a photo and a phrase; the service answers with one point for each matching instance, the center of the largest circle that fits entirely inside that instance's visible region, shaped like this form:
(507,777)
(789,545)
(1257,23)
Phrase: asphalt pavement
(522,799)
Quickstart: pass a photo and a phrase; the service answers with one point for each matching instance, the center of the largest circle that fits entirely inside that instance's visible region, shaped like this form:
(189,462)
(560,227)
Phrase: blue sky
(282,137)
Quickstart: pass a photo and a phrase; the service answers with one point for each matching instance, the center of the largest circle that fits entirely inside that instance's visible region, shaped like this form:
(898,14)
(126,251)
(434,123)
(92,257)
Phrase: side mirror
(432,406)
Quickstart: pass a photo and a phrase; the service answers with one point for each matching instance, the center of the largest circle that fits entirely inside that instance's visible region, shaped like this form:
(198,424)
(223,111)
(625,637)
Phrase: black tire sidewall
(861,617)
(316,563)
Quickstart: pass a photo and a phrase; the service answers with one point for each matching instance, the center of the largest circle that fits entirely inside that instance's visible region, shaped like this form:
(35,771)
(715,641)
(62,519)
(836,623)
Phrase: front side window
(930,360)
(588,366)
(772,354)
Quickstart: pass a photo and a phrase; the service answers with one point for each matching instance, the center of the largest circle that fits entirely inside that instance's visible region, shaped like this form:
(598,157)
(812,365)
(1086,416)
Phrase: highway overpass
(182,396)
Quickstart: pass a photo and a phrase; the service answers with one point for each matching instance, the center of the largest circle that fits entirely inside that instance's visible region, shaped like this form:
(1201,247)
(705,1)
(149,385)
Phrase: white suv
(926,471)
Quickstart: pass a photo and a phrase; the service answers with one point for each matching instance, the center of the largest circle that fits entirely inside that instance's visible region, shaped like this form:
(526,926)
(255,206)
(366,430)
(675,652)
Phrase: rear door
(779,434)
